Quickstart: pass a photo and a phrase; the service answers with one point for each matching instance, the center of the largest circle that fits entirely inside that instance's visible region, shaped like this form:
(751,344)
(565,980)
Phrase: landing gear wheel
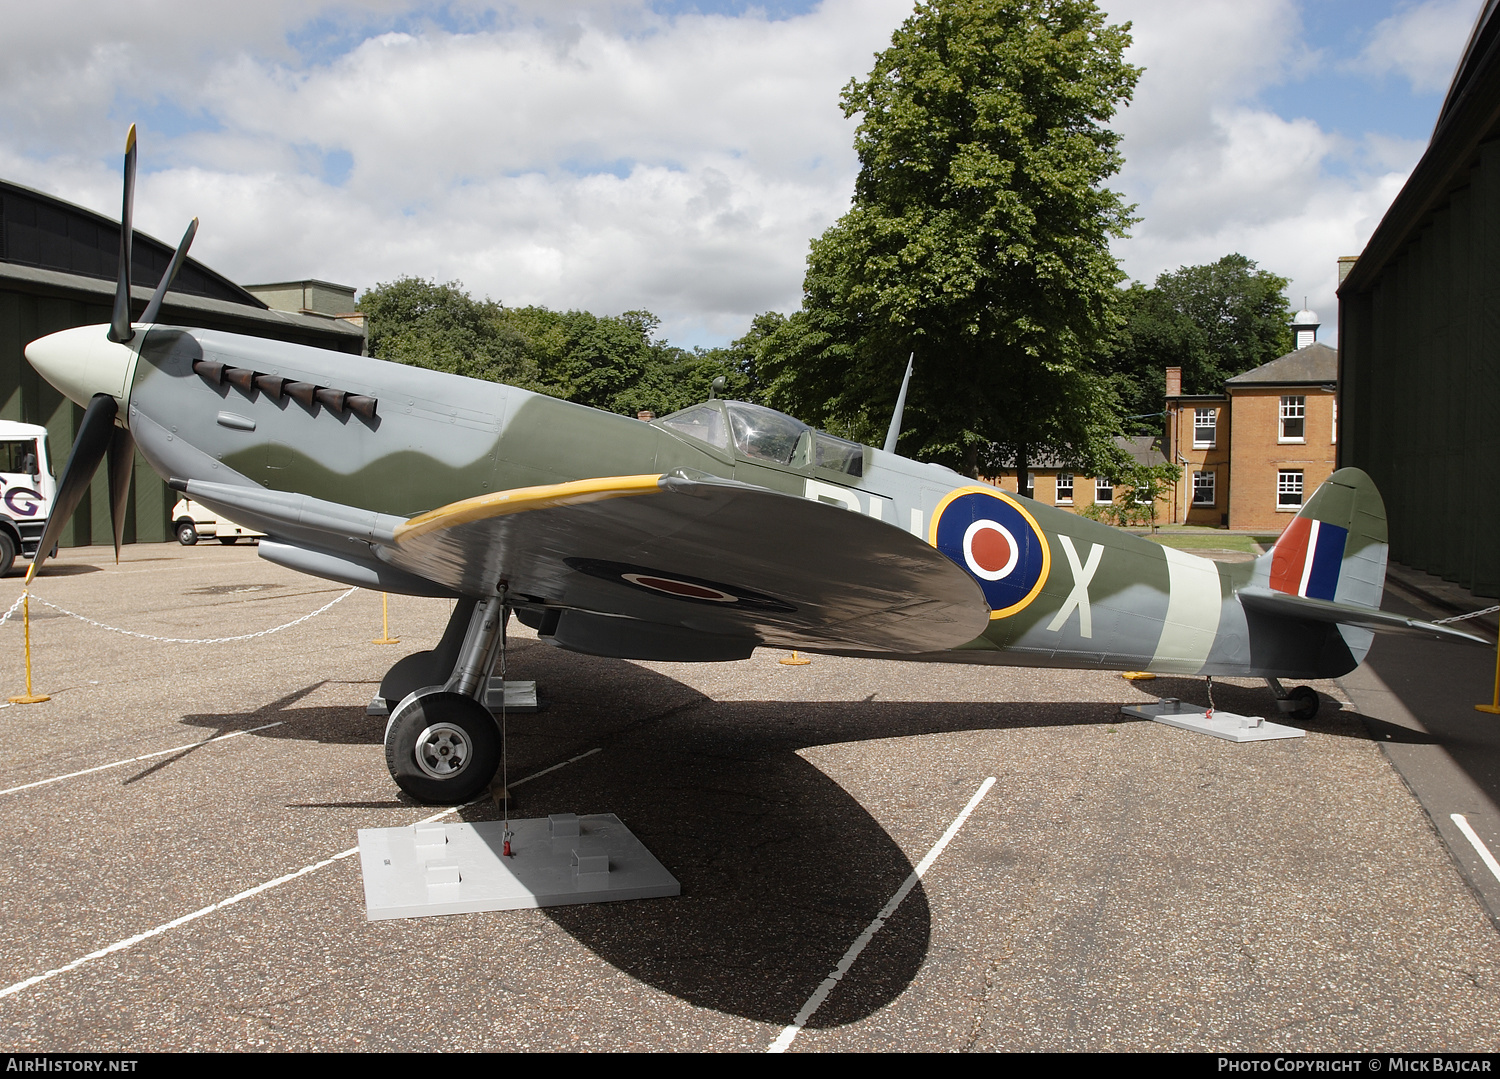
(442,748)
(187,535)
(1307,702)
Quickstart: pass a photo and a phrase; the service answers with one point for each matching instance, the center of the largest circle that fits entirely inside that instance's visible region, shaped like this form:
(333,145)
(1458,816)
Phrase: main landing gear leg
(442,745)
(1299,704)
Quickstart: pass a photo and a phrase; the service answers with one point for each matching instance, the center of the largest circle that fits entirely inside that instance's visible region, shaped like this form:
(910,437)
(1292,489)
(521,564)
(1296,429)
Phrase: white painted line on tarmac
(131,942)
(142,757)
(784,1039)
(1477,843)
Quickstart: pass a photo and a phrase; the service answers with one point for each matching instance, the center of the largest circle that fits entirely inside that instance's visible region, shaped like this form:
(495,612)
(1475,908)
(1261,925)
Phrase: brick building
(1058,484)
(1251,455)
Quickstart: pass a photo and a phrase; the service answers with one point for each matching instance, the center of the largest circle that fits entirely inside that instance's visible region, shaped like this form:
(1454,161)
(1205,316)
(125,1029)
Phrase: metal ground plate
(429,869)
(1222,724)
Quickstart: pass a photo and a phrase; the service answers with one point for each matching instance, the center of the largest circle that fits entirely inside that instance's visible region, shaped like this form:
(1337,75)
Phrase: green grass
(1212,540)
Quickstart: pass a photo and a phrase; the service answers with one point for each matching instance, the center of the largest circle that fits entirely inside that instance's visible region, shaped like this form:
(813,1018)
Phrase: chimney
(1174,382)
(645,414)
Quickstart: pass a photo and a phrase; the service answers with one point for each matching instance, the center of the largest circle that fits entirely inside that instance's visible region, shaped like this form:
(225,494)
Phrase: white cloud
(1213,172)
(597,155)
(1421,42)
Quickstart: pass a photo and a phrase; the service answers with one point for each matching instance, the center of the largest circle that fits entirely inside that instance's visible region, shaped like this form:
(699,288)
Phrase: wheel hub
(443,750)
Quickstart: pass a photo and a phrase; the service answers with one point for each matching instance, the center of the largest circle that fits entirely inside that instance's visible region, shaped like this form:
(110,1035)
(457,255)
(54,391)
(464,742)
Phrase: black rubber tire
(1307,703)
(7,553)
(187,535)
(478,728)
(227,540)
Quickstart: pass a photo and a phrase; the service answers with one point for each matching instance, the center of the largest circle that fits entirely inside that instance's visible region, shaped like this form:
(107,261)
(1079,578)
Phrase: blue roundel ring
(990,535)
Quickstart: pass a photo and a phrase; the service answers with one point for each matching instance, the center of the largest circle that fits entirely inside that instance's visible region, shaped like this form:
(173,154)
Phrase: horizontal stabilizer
(1317,610)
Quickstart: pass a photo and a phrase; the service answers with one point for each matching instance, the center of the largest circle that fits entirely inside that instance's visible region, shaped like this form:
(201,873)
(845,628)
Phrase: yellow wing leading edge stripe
(524,499)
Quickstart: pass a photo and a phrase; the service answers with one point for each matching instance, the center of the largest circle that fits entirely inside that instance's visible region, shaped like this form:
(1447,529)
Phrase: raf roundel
(990,535)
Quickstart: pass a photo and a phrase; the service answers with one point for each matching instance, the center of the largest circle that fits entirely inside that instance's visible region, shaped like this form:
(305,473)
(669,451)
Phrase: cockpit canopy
(764,434)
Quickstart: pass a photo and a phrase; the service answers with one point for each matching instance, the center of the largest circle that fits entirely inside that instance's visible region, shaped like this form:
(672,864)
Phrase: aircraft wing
(703,566)
(1317,610)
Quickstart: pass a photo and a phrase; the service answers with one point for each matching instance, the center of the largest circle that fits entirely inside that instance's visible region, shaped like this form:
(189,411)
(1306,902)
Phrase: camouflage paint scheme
(337,493)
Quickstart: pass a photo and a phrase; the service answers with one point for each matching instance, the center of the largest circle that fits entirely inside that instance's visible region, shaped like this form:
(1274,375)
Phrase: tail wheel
(442,748)
(1307,701)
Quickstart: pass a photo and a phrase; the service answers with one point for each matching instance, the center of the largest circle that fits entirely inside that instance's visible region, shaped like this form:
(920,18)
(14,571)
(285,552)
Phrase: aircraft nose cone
(83,361)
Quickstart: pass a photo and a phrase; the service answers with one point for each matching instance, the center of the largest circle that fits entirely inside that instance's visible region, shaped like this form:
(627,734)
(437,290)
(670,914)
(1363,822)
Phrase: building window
(1289,489)
(1203,488)
(1293,419)
(1064,488)
(1030,491)
(1104,492)
(1334,433)
(1205,427)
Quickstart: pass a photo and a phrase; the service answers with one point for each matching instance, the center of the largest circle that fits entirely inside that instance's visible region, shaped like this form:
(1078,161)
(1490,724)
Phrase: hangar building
(57,269)
(1419,338)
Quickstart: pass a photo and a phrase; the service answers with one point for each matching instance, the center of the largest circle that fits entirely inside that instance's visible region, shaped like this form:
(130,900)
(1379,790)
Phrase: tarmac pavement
(1123,885)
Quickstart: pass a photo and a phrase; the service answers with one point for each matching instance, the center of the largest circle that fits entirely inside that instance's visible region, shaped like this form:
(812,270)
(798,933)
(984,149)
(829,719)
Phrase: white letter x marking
(1079,597)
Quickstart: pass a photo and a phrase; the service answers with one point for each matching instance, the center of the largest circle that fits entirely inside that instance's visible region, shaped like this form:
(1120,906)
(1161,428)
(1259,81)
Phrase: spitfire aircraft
(698,536)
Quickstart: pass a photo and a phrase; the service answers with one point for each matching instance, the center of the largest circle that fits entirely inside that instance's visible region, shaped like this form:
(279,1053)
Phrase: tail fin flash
(1335,548)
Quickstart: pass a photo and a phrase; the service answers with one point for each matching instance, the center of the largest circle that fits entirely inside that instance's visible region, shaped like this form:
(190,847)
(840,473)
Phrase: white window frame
(1289,481)
(1204,482)
(1064,483)
(1293,409)
(1212,426)
(1106,486)
(1030,489)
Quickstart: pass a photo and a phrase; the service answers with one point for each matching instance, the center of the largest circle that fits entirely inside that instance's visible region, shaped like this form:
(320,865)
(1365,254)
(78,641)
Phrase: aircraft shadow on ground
(781,868)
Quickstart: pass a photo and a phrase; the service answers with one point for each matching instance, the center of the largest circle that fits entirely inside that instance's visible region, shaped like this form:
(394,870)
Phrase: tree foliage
(611,362)
(978,239)
(1214,321)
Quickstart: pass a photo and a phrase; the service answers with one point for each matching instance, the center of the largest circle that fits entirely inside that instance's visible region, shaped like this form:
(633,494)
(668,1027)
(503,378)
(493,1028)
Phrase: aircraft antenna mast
(895,429)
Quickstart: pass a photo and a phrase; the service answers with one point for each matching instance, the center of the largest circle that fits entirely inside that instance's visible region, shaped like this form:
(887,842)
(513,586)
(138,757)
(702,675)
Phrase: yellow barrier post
(794,660)
(30,697)
(1494,706)
(385,623)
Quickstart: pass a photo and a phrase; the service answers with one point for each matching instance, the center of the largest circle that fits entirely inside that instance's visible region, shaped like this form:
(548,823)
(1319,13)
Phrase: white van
(26,490)
(194,522)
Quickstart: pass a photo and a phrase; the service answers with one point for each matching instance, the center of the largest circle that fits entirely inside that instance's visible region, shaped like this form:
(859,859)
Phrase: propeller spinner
(94,369)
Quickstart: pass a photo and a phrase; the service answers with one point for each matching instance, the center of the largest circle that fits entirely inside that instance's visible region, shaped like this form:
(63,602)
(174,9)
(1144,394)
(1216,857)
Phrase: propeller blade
(95,434)
(121,465)
(119,323)
(154,307)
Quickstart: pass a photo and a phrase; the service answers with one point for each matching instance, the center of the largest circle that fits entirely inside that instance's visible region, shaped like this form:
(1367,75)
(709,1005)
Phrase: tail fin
(1335,548)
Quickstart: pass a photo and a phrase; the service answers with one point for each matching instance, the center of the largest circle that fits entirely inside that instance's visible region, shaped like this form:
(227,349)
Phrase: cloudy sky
(671,155)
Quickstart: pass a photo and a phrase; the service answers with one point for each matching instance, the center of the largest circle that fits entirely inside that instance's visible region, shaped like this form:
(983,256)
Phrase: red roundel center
(990,550)
(679,588)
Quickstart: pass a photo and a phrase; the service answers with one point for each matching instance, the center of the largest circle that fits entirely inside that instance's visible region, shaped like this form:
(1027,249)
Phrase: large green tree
(1214,321)
(978,239)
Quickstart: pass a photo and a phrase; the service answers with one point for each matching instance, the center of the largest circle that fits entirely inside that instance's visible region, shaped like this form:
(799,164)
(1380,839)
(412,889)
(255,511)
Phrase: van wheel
(187,535)
(7,553)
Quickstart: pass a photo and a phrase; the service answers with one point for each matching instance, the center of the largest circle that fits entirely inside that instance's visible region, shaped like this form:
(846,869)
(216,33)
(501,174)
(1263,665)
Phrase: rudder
(1335,548)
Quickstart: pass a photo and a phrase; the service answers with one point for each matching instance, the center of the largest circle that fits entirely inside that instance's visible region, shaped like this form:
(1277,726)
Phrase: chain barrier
(14,607)
(1435,621)
(176,640)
